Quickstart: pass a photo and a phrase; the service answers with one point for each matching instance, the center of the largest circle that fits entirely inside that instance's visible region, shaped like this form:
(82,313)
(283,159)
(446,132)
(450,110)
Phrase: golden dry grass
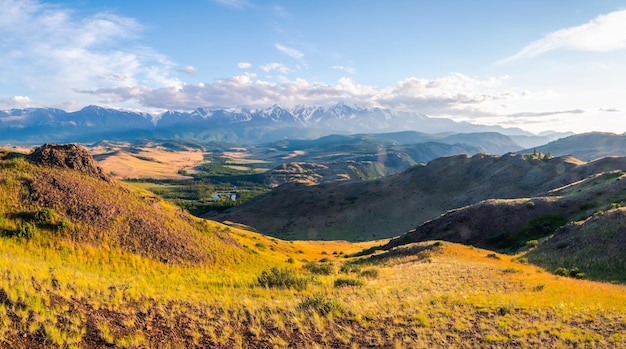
(149,162)
(59,291)
(443,296)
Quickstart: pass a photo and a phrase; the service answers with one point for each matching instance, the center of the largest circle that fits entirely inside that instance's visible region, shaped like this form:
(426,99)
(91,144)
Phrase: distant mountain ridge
(587,146)
(236,125)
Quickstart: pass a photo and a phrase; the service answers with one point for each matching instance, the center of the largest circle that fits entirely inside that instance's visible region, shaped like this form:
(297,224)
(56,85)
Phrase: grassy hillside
(428,295)
(86,262)
(595,246)
(43,203)
(395,204)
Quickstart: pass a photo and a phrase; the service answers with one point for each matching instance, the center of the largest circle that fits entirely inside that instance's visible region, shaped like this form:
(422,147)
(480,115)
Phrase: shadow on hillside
(408,253)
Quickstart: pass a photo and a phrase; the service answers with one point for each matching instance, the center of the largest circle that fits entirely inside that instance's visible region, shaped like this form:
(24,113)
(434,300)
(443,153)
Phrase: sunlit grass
(63,291)
(457,295)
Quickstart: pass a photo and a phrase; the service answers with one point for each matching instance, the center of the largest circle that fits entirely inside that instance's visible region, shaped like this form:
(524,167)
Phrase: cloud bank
(452,95)
(603,34)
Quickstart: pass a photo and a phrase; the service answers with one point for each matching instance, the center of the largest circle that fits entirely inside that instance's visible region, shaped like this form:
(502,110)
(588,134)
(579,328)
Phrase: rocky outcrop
(71,156)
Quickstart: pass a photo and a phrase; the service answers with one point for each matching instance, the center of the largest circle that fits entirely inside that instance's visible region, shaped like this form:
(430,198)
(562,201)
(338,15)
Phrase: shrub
(511,271)
(290,260)
(282,278)
(369,273)
(320,268)
(576,273)
(321,305)
(45,216)
(63,224)
(350,268)
(573,273)
(349,282)
(520,260)
(532,243)
(27,231)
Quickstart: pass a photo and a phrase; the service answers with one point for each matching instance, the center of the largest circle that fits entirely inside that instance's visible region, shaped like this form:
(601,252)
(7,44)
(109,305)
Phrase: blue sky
(537,65)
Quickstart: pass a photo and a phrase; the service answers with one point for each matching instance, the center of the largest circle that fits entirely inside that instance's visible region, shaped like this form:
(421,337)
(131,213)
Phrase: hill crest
(70,156)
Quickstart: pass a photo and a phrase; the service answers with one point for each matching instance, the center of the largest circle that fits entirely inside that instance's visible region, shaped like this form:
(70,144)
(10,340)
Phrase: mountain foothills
(89,261)
(389,206)
(244,126)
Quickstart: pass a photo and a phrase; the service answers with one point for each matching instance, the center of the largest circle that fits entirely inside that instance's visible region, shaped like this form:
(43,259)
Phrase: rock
(71,156)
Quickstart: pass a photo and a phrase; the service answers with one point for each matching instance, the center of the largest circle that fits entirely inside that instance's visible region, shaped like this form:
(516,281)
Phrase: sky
(533,64)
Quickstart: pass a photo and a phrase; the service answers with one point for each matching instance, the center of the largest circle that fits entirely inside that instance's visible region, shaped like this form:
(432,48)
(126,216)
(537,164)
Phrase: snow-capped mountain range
(95,123)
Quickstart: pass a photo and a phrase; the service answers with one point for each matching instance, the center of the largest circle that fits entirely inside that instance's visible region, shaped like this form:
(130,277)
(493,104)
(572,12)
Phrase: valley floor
(427,295)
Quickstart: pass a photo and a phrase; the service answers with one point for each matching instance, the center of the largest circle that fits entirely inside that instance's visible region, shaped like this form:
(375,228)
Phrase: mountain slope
(395,204)
(596,246)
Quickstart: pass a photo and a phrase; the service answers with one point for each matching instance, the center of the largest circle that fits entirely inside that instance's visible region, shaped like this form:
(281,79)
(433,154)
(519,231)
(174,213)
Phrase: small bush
(573,273)
(349,268)
(320,268)
(521,260)
(505,309)
(576,273)
(282,278)
(349,282)
(511,271)
(290,260)
(27,231)
(369,273)
(321,305)
(45,216)
(532,243)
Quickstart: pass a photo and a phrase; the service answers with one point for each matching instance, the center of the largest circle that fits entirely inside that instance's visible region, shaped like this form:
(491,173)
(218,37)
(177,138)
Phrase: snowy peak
(224,124)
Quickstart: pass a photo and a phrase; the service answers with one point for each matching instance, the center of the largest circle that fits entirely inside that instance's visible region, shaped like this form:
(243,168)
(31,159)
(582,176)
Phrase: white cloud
(17,102)
(291,52)
(56,52)
(275,66)
(602,34)
(452,95)
(244,65)
(188,70)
